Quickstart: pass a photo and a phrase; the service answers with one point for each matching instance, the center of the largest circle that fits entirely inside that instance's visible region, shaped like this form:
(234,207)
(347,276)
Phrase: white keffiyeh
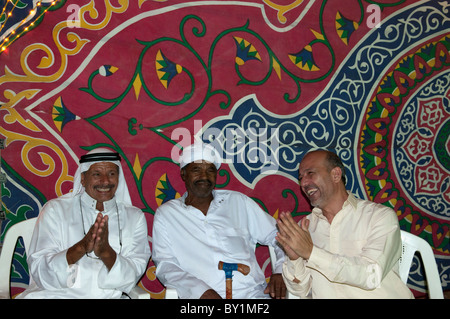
(104,155)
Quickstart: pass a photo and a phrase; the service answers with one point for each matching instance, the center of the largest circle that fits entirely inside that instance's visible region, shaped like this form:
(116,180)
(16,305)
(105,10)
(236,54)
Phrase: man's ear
(182,174)
(82,178)
(336,174)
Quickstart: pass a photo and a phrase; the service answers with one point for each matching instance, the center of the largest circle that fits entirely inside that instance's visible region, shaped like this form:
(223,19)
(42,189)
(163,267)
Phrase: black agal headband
(100,157)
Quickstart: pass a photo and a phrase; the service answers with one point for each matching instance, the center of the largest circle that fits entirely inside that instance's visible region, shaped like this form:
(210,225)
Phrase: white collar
(109,206)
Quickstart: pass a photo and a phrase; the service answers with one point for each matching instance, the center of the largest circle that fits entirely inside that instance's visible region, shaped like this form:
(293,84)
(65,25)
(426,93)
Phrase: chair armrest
(4,294)
(171,293)
(138,293)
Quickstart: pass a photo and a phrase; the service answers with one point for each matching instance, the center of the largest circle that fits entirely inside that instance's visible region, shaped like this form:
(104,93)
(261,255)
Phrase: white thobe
(187,245)
(59,226)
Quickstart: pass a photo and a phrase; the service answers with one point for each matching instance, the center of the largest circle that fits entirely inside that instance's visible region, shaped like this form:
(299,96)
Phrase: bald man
(346,247)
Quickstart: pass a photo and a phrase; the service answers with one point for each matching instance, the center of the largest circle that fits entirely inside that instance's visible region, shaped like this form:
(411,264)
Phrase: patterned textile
(264,81)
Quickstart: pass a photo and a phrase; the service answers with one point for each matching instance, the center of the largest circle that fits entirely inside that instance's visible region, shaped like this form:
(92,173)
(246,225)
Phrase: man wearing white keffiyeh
(91,242)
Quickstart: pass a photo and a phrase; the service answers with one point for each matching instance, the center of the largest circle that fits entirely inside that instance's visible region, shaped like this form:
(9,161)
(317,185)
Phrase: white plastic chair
(410,245)
(25,229)
(22,229)
(171,293)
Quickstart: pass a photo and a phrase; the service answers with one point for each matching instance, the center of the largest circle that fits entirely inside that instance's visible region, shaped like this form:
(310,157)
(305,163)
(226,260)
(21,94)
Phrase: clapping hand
(295,239)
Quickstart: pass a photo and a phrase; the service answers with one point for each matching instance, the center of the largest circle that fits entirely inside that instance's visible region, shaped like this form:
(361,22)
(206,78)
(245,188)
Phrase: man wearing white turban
(91,242)
(193,233)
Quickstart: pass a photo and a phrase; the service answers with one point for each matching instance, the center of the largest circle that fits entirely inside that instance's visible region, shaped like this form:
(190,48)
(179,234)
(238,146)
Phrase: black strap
(100,157)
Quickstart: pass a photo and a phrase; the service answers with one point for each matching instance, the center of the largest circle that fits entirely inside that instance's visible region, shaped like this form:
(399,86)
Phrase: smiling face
(101,181)
(318,180)
(199,178)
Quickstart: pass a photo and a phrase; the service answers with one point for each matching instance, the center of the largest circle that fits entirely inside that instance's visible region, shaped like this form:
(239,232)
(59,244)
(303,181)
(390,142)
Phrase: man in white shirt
(91,242)
(193,233)
(347,247)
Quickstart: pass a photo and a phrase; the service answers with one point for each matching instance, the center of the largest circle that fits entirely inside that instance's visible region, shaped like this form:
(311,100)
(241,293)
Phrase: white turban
(198,152)
(96,156)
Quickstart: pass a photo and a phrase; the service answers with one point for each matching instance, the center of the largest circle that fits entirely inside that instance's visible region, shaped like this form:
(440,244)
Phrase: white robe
(187,245)
(59,227)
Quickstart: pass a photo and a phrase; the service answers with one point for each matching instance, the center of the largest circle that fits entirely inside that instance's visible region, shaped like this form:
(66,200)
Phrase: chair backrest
(24,230)
(410,245)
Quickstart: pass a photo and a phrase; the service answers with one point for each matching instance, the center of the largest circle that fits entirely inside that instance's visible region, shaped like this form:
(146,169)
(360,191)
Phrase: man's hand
(85,245)
(102,249)
(95,240)
(296,240)
(276,287)
(210,294)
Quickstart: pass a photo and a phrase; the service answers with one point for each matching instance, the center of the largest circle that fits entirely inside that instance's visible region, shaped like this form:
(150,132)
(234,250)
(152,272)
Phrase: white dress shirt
(60,226)
(356,256)
(187,245)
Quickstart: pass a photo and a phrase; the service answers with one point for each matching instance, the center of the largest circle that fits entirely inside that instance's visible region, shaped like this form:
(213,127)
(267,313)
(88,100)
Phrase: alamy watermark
(374,276)
(74,18)
(373,19)
(74,276)
(256,148)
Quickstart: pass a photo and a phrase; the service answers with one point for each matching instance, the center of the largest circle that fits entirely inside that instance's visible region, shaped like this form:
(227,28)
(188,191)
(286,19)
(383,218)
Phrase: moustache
(203,181)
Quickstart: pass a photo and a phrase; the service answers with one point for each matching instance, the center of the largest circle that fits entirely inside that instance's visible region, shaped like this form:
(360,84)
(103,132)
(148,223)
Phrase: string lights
(26,24)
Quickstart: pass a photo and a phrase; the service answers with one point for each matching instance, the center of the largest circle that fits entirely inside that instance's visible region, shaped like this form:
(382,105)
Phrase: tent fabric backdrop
(264,81)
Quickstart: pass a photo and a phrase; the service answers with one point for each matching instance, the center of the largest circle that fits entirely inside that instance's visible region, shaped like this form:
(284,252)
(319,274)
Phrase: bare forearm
(75,253)
(109,258)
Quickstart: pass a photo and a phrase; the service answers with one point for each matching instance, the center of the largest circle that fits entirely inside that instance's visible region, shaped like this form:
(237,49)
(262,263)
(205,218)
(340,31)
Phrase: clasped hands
(294,238)
(96,240)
